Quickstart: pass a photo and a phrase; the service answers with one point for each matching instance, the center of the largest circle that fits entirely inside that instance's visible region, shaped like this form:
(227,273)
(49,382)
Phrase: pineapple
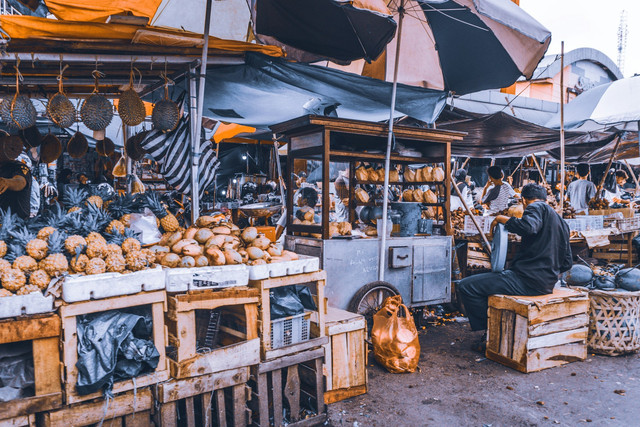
(79,263)
(126,220)
(19,260)
(96,250)
(36,248)
(95,266)
(39,278)
(55,264)
(131,244)
(4,265)
(74,199)
(99,198)
(3,248)
(72,243)
(122,207)
(115,263)
(149,255)
(168,221)
(9,223)
(113,249)
(5,293)
(94,237)
(45,232)
(54,219)
(136,261)
(27,289)
(115,226)
(13,280)
(95,200)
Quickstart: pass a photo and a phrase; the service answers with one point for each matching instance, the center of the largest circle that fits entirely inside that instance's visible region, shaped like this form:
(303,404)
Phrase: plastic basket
(586,223)
(628,224)
(290,330)
(483,221)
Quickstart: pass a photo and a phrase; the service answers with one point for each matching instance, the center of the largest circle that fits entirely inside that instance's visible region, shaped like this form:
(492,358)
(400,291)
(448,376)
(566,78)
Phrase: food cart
(419,266)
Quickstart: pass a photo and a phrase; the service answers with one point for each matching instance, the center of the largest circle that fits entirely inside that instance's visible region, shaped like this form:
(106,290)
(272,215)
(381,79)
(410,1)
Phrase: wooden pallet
(620,251)
(129,409)
(218,399)
(316,281)
(346,355)
(293,384)
(21,421)
(43,330)
(534,333)
(69,313)
(240,346)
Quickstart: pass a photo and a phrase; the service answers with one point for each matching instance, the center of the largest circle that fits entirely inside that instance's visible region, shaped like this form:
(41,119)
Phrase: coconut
(249,234)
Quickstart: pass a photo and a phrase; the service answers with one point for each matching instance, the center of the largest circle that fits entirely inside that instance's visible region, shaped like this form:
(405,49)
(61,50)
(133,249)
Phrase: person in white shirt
(465,190)
(496,193)
(614,195)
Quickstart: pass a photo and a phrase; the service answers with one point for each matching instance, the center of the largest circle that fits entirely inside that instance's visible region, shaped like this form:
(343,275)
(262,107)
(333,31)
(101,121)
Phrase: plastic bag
(395,338)
(290,301)
(145,224)
(16,371)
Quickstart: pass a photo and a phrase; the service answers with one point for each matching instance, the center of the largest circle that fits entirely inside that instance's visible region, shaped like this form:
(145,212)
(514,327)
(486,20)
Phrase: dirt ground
(456,386)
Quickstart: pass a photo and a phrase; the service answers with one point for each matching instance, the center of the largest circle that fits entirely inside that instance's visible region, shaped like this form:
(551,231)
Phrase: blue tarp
(265,91)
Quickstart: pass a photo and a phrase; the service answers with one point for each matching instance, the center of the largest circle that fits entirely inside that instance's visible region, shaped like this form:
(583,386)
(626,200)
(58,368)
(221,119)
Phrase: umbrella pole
(542,177)
(606,171)
(387,159)
(562,165)
(197,124)
(635,178)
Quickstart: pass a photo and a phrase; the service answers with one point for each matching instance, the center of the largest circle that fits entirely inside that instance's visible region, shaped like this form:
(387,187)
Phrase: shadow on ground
(456,386)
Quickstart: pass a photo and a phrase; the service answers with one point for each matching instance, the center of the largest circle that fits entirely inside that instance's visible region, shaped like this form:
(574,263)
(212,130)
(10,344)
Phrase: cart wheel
(369,298)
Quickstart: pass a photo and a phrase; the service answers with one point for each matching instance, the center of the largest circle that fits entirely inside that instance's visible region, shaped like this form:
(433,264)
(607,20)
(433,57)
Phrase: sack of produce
(395,338)
(579,275)
(628,279)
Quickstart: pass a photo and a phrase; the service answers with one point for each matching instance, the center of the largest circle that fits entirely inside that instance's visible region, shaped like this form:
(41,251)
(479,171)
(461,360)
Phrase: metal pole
(562,165)
(126,134)
(276,146)
(387,160)
(195,140)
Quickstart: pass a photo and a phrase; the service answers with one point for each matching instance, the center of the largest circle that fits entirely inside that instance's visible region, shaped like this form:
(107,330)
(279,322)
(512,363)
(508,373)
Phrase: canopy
(265,91)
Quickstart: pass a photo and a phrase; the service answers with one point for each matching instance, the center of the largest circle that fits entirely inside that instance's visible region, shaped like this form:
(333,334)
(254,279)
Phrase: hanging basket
(614,322)
(96,111)
(77,146)
(130,106)
(61,111)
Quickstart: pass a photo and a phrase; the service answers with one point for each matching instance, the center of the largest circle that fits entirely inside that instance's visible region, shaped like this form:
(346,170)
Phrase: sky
(590,23)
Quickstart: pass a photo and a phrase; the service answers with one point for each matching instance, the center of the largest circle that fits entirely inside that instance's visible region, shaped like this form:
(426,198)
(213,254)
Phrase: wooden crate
(293,384)
(345,355)
(43,330)
(316,281)
(534,333)
(21,421)
(129,409)
(69,313)
(620,251)
(240,347)
(218,399)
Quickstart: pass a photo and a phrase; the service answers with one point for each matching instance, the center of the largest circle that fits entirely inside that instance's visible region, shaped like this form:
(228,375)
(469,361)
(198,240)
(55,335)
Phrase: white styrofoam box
(212,277)
(483,221)
(585,222)
(98,286)
(304,264)
(18,305)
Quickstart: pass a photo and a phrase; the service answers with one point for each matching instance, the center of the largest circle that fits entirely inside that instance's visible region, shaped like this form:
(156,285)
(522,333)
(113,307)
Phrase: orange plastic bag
(395,338)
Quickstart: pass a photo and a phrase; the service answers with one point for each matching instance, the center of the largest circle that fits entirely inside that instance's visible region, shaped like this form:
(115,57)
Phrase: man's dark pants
(475,291)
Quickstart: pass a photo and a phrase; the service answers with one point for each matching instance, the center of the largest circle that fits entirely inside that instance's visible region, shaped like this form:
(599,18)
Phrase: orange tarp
(30,27)
(100,10)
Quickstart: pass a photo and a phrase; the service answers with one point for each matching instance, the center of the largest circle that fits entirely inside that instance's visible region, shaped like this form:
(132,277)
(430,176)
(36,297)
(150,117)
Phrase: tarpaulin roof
(32,28)
(501,135)
(265,91)
(601,151)
(100,10)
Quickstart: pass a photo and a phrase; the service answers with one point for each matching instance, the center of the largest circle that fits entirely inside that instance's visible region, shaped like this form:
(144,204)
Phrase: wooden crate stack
(618,251)
(43,332)
(290,379)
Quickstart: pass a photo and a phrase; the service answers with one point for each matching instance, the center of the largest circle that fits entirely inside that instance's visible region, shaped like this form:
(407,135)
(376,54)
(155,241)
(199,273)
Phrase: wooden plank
(30,405)
(497,357)
(232,293)
(190,412)
(358,348)
(556,311)
(339,361)
(46,365)
(521,304)
(292,391)
(93,412)
(115,303)
(550,357)
(263,399)
(520,338)
(221,406)
(173,390)
(118,387)
(293,359)
(564,324)
(276,282)
(21,421)
(295,348)
(186,321)
(205,403)
(233,356)
(320,408)
(265,319)
(138,419)
(558,338)
(506,332)
(493,330)
(239,405)
(341,321)
(337,395)
(168,415)
(276,397)
(26,329)
(212,304)
(159,335)
(251,320)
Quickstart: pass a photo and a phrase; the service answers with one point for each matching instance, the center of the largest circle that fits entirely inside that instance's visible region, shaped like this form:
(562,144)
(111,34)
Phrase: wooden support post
(635,178)
(606,171)
(471,215)
(535,161)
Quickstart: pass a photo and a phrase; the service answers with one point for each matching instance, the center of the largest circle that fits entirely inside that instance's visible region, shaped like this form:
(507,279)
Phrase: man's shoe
(481,345)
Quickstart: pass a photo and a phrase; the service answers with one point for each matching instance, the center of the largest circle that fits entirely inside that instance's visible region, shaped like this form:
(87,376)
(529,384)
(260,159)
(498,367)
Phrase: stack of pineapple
(90,235)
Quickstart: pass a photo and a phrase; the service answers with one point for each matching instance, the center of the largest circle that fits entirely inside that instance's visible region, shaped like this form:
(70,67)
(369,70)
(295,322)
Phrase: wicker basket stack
(614,322)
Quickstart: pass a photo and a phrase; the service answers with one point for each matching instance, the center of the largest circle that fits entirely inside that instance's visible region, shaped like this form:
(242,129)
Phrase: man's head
(533,193)
(583,170)
(495,174)
(308,197)
(461,175)
(621,177)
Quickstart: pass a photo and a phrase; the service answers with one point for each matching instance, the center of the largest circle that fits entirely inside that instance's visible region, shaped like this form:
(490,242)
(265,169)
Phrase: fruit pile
(568,212)
(457,219)
(214,241)
(598,204)
(90,235)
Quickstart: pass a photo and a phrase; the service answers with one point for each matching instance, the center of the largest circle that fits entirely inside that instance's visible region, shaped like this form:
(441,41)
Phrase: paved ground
(456,386)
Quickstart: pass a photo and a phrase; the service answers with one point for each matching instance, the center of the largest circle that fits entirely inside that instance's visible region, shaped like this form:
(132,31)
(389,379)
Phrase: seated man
(543,254)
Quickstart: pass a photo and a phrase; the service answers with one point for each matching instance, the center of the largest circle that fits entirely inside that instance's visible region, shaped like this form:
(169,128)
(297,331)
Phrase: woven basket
(18,112)
(96,112)
(614,322)
(131,108)
(77,146)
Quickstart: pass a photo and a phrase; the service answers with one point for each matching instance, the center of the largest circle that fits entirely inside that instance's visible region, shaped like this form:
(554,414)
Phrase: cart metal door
(432,272)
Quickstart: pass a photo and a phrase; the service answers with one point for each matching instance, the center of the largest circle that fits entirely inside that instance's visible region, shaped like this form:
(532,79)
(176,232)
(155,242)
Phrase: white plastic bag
(146,225)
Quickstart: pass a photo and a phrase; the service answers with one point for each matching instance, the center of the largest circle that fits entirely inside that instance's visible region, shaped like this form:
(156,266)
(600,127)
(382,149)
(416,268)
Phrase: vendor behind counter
(15,187)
